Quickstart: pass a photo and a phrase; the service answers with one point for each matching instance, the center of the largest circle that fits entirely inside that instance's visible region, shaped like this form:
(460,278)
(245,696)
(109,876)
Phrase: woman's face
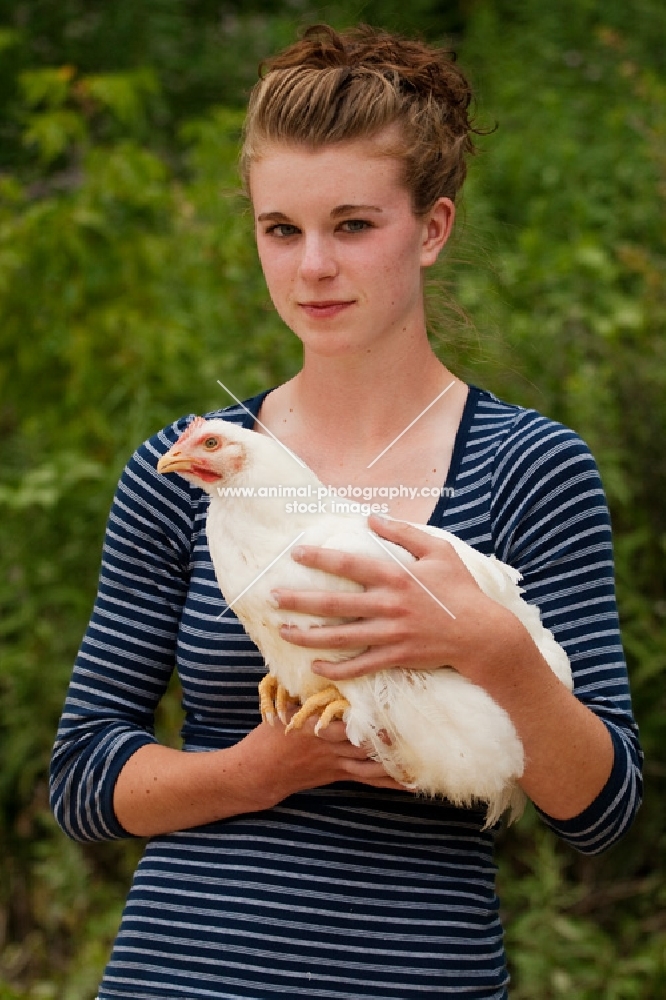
(341,249)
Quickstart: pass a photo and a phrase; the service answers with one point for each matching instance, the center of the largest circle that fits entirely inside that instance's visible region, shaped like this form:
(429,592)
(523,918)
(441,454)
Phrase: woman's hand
(285,763)
(429,614)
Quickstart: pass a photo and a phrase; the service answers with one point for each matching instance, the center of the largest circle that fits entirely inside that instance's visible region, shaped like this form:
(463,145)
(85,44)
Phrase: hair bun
(428,72)
(333,86)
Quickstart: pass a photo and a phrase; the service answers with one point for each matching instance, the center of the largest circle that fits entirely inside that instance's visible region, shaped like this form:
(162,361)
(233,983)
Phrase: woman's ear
(437,226)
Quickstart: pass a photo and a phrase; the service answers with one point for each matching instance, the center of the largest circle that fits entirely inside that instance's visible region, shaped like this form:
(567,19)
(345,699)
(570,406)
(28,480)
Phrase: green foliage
(129,285)
(126,290)
(567,204)
(556,950)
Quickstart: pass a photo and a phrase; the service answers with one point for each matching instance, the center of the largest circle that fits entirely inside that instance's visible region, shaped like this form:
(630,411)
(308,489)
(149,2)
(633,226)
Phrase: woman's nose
(318,259)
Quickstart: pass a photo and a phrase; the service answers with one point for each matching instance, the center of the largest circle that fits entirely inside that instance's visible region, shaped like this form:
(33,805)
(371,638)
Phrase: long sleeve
(551,522)
(128,651)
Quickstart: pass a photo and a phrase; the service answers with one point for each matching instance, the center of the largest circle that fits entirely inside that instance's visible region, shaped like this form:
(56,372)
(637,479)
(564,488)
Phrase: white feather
(434,727)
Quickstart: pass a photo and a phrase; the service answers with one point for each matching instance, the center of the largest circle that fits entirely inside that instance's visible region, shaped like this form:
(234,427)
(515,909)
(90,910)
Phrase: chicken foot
(273,700)
(330,700)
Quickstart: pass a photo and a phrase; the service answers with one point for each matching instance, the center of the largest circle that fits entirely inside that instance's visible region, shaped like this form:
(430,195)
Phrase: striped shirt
(344,891)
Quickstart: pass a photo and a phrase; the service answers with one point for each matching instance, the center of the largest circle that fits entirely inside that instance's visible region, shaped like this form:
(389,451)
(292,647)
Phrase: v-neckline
(253,405)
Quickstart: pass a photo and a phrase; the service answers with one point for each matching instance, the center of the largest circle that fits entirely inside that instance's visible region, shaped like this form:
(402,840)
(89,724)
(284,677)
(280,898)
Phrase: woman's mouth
(324,310)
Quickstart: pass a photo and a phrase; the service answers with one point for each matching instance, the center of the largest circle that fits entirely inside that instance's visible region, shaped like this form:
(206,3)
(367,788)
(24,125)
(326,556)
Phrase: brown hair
(331,87)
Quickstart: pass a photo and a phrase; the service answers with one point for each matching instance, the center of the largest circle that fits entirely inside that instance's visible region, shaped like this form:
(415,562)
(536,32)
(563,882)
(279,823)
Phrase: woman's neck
(361,400)
(390,422)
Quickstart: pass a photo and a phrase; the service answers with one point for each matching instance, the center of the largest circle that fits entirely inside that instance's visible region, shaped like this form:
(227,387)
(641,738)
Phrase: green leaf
(47,86)
(53,132)
(125,95)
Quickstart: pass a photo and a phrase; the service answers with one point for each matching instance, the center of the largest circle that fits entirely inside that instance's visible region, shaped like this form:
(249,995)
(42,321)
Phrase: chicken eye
(211,443)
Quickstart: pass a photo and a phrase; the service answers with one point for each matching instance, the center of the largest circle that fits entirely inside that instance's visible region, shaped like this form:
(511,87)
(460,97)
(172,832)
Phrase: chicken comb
(191,429)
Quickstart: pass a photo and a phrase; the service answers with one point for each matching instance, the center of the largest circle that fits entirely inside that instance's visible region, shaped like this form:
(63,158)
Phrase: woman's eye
(355,225)
(282,230)
(211,443)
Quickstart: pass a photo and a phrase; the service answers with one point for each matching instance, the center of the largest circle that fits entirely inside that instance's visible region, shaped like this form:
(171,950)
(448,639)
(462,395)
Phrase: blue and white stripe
(345,891)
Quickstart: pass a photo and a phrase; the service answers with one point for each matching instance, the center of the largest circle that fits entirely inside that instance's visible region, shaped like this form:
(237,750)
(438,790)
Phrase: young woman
(294,865)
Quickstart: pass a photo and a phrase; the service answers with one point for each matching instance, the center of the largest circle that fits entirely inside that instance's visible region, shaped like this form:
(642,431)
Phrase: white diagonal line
(410,425)
(422,585)
(264,570)
(263,426)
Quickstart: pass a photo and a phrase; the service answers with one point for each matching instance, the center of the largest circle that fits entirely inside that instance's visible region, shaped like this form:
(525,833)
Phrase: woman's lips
(324,310)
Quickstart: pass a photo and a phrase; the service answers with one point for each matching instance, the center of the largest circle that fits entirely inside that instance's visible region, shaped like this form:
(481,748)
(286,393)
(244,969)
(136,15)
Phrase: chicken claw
(273,699)
(334,710)
(330,700)
(267,692)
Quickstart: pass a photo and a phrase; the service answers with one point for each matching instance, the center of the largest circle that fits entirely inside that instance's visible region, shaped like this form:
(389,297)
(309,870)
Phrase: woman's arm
(127,654)
(160,790)
(402,624)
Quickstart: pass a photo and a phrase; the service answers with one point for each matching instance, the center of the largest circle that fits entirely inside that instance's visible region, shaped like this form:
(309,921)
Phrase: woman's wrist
(160,789)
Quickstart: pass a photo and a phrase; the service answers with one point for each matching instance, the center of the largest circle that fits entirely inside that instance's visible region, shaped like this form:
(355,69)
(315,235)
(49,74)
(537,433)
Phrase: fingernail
(273,599)
(298,552)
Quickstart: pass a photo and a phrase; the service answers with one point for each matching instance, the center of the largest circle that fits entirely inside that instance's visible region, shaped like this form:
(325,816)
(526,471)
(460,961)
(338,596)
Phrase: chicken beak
(174,461)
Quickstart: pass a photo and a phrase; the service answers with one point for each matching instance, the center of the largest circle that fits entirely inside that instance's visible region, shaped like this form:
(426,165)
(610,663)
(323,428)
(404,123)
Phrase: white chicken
(434,731)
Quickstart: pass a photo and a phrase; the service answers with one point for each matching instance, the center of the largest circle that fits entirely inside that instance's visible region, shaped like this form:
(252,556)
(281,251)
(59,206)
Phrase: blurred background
(129,284)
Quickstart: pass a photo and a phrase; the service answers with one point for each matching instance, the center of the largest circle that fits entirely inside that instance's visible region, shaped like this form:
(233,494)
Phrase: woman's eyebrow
(335,213)
(346,209)
(272,217)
